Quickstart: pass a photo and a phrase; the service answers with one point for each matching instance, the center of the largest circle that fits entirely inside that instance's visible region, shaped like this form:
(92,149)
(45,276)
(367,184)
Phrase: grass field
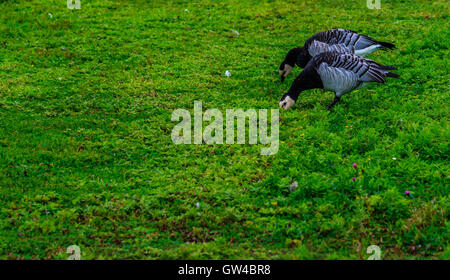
(86,156)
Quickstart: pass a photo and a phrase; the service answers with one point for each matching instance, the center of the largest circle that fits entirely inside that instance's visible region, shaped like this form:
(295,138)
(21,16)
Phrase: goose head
(295,56)
(287,101)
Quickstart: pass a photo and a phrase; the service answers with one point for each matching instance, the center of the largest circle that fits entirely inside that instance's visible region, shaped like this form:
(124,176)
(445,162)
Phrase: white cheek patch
(287,70)
(287,103)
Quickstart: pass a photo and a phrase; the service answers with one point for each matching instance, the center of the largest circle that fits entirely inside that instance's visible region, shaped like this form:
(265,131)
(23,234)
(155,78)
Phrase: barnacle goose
(337,72)
(339,40)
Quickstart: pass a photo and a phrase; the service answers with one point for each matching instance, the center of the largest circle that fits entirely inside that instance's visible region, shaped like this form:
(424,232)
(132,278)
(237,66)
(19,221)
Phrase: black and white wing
(343,73)
(362,44)
(338,80)
(336,36)
(317,47)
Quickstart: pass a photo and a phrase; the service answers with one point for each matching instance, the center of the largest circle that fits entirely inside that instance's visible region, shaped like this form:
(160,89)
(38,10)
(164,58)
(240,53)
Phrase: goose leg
(336,100)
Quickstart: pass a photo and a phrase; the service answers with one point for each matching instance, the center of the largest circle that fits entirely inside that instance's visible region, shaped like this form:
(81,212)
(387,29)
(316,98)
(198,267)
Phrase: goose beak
(282,77)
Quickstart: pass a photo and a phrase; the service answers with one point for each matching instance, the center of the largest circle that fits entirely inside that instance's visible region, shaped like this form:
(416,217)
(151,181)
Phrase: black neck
(308,79)
(303,57)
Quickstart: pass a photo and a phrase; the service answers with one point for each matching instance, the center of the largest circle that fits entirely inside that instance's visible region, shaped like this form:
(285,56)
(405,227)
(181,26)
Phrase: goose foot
(336,100)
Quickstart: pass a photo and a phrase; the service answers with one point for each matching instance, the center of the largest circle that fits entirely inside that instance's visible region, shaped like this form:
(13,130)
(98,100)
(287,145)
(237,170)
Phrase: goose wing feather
(338,80)
(318,47)
(349,38)
(342,73)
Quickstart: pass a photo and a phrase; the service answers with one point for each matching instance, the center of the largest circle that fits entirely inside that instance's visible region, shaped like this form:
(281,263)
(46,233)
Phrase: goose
(339,40)
(337,72)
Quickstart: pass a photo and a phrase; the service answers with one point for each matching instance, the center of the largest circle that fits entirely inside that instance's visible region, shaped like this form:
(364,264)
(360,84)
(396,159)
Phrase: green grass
(86,156)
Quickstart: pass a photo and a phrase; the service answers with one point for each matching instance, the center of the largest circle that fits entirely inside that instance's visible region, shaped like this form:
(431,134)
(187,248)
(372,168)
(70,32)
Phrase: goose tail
(386,70)
(388,67)
(387,45)
(392,75)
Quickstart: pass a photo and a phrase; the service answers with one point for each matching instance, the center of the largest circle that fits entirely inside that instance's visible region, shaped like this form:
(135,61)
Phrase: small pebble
(227,73)
(293,186)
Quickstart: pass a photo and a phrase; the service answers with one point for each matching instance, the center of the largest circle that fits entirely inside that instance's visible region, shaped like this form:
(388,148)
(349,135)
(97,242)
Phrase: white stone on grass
(293,186)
